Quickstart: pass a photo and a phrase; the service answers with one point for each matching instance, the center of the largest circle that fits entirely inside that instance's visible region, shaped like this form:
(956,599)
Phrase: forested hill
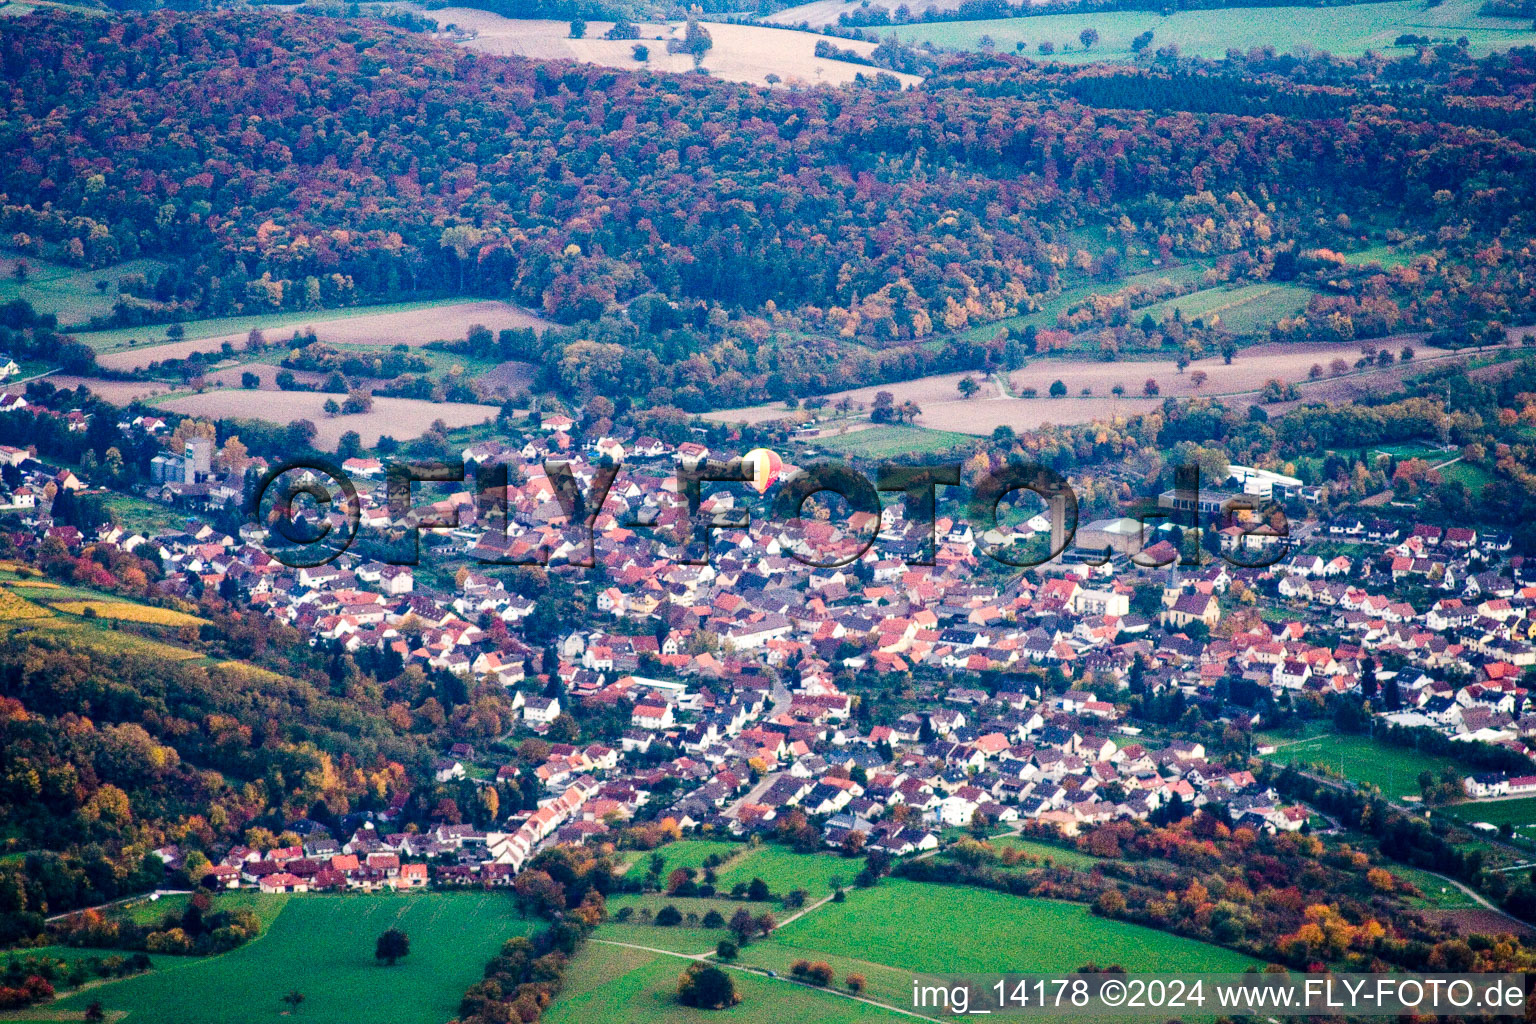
(289,162)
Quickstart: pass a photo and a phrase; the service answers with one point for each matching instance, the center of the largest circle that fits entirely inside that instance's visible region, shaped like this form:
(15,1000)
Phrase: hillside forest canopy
(701,244)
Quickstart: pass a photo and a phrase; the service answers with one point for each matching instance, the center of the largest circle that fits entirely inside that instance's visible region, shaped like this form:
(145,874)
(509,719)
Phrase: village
(748,687)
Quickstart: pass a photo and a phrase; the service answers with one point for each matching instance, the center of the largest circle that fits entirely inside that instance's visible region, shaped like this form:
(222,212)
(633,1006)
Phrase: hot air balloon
(766,466)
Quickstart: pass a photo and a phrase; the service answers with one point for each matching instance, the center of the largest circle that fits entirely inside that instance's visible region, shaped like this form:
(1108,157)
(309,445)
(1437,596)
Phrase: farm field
(741,53)
(900,928)
(1347,31)
(885,439)
(943,408)
(69,293)
(22,608)
(128,611)
(101,638)
(400,418)
(616,985)
(1362,759)
(322,946)
(404,323)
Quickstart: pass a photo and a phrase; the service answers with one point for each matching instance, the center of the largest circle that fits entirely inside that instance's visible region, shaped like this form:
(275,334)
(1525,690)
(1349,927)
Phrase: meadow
(1051,308)
(783,870)
(1361,759)
(884,440)
(900,928)
(322,946)
(1438,893)
(681,938)
(1245,311)
(69,293)
(265,906)
(617,985)
(1347,30)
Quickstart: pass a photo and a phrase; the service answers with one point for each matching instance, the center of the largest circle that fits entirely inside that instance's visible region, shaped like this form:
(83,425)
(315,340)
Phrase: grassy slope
(94,632)
(901,928)
(68,292)
(323,947)
(1348,31)
(614,985)
(1248,309)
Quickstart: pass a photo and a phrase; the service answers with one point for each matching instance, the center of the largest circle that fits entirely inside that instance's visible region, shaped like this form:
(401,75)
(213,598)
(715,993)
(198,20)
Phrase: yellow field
(32,584)
(13,608)
(95,634)
(130,612)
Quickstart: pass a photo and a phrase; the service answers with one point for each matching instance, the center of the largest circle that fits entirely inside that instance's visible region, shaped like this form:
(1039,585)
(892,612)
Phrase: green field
(1470,475)
(1361,759)
(1348,31)
(1248,309)
(901,928)
(1386,255)
(615,985)
(784,871)
(680,938)
(1439,893)
(70,293)
(154,334)
(889,439)
(685,853)
(322,946)
(1519,814)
